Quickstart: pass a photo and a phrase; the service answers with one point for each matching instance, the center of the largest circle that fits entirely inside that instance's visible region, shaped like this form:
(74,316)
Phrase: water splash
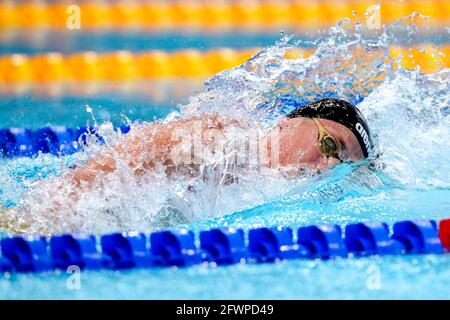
(404,108)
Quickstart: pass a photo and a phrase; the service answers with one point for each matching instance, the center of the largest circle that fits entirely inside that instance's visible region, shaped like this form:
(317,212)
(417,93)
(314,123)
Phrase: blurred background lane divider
(247,14)
(158,64)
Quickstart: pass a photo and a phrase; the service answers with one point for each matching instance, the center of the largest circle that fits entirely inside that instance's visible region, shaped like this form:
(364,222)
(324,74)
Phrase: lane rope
(156,64)
(56,140)
(222,246)
(198,14)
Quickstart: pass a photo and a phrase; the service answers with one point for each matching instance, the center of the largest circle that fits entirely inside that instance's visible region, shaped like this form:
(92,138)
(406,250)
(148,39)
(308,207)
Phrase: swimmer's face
(299,144)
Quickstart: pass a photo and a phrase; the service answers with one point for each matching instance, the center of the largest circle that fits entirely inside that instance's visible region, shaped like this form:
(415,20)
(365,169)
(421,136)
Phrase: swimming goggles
(328,145)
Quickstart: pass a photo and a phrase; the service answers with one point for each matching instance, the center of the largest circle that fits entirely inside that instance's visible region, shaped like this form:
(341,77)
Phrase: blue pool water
(410,179)
(31,42)
(70,111)
(135,40)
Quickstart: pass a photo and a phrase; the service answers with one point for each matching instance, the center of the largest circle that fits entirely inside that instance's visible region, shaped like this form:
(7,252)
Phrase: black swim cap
(341,112)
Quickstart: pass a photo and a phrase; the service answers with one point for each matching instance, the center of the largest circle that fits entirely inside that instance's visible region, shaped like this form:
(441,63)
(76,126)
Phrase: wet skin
(152,145)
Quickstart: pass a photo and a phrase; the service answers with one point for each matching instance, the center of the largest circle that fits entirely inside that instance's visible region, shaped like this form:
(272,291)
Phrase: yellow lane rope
(126,65)
(118,65)
(294,14)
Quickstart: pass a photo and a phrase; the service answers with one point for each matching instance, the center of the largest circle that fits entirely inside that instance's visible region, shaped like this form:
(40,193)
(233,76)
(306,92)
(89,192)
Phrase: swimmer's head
(341,112)
(324,133)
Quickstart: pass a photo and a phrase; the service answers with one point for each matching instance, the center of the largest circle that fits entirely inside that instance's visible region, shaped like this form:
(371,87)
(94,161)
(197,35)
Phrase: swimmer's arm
(145,147)
(139,150)
(88,172)
(131,150)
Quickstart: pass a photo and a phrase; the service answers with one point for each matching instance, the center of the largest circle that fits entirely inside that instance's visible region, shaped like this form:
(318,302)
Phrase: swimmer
(314,137)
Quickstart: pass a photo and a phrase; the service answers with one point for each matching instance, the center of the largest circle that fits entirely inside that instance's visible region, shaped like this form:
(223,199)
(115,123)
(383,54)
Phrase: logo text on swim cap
(365,136)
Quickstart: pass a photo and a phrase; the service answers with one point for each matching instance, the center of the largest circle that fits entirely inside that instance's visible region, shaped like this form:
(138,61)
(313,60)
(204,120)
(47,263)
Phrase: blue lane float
(222,246)
(26,254)
(271,244)
(16,142)
(126,250)
(323,241)
(419,236)
(174,248)
(57,140)
(60,141)
(79,250)
(373,238)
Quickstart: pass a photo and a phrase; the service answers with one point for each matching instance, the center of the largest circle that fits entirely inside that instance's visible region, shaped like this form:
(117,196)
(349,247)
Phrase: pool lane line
(119,65)
(221,246)
(156,64)
(196,15)
(56,140)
